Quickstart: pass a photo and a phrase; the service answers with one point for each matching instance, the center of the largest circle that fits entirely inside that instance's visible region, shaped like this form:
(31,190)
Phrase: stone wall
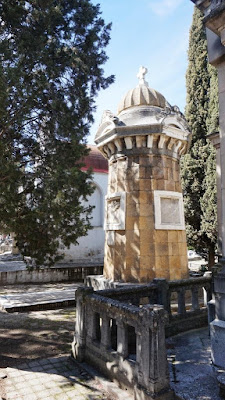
(45,275)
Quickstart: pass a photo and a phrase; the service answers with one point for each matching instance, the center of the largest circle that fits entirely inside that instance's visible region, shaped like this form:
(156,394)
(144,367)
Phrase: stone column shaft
(221,79)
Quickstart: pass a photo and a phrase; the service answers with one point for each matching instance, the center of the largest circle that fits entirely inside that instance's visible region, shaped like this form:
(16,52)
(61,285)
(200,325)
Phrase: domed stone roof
(142,95)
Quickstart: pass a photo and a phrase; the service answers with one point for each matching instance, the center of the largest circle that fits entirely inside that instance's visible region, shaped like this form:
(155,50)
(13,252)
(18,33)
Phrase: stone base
(217,333)
(141,394)
(99,282)
(221,383)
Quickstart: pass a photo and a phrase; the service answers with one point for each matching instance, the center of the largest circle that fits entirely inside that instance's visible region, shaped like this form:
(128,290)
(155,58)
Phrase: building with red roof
(91,247)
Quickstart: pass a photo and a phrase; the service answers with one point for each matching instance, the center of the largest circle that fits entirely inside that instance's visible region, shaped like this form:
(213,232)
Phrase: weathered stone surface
(217,334)
(109,320)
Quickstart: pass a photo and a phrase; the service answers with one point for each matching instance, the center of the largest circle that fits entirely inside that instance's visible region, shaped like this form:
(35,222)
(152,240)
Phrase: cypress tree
(51,58)
(198,166)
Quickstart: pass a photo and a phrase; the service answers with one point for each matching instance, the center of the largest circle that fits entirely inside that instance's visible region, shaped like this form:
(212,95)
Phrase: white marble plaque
(115,211)
(169,210)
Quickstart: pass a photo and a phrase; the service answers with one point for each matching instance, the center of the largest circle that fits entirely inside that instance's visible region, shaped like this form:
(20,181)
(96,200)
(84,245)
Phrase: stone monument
(144,218)
(214,19)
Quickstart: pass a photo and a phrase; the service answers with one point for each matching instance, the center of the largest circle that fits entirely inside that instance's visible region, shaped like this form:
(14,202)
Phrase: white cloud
(164,7)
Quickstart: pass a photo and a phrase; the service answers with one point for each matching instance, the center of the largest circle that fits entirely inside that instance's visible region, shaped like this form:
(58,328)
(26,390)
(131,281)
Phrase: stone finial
(141,76)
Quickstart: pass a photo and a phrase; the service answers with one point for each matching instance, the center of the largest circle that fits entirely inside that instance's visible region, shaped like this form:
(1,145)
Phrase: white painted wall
(91,247)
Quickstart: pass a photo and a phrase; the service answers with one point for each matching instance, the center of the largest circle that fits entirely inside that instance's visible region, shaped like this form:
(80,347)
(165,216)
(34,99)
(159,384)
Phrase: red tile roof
(95,160)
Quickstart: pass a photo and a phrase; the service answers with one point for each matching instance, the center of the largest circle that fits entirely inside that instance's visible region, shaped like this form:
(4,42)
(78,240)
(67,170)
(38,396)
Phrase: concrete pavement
(191,373)
(37,297)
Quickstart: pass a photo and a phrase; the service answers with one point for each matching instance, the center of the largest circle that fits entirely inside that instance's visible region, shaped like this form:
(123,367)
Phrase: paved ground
(191,373)
(56,378)
(38,364)
(35,359)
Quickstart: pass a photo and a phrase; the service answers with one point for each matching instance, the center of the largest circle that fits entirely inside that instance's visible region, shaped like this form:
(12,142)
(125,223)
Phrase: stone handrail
(133,293)
(126,342)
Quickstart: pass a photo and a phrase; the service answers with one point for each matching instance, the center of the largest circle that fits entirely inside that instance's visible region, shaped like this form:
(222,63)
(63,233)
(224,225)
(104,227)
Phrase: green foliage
(51,57)
(197,79)
(209,199)
(212,121)
(199,187)
(198,167)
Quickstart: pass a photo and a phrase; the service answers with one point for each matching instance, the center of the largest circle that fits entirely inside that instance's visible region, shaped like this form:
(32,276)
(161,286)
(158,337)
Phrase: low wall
(46,275)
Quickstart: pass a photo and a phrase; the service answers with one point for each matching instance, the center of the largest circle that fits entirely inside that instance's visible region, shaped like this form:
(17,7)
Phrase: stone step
(45,300)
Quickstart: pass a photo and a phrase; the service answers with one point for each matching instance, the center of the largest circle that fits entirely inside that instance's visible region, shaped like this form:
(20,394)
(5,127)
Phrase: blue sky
(152,33)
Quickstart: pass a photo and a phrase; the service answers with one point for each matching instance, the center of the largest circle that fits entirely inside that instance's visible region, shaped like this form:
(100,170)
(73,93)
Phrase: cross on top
(141,75)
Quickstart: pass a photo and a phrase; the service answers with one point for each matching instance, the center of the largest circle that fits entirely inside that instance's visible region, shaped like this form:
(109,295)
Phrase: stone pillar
(221,83)
(215,140)
(217,327)
(153,372)
(144,219)
(79,341)
(214,17)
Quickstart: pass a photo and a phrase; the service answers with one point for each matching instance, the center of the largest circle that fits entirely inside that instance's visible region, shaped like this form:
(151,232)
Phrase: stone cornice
(162,138)
(143,144)
(214,16)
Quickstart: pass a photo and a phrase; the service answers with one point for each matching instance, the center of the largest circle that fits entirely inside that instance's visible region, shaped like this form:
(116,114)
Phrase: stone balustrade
(124,341)
(121,331)
(186,302)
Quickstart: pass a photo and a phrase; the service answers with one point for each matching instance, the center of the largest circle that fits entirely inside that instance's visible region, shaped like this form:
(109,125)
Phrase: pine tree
(198,166)
(51,57)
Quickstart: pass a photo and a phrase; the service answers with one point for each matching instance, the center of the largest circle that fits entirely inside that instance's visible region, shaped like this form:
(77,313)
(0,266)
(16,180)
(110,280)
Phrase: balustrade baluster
(91,326)
(195,299)
(181,302)
(105,332)
(122,338)
(207,293)
(169,303)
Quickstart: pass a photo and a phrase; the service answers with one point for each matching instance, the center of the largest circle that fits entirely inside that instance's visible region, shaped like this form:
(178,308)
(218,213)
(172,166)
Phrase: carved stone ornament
(115,211)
